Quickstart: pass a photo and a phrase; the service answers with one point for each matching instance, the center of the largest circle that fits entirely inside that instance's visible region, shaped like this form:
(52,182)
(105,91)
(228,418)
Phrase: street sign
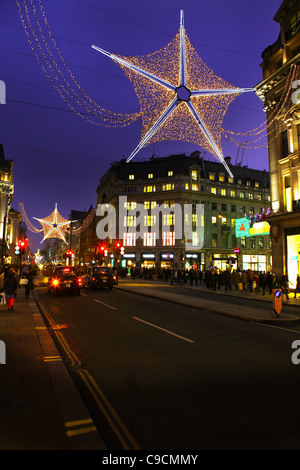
(277,301)
(236,251)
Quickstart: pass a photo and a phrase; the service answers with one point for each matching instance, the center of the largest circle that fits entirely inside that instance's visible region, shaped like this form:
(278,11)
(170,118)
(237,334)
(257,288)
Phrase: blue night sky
(58,156)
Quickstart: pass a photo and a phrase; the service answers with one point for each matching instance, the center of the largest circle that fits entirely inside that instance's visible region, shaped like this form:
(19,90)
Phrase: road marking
(278,327)
(86,426)
(121,431)
(106,305)
(163,329)
(84,295)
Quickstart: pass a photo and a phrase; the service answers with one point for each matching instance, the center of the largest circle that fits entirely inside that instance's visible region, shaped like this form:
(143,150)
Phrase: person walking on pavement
(10,287)
(30,285)
(244,280)
(285,285)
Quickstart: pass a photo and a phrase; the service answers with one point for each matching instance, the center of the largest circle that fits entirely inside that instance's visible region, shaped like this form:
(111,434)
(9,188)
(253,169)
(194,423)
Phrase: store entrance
(293,262)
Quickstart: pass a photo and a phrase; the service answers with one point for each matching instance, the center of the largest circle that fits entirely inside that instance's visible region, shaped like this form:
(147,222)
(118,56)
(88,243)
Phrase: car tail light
(114,278)
(55,282)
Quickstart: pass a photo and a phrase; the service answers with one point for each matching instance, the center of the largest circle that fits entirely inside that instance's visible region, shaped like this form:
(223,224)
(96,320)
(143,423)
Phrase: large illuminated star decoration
(54,225)
(180,96)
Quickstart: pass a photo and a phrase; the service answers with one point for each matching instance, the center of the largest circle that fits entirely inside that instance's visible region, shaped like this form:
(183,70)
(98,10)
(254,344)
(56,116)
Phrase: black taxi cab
(64,279)
(100,277)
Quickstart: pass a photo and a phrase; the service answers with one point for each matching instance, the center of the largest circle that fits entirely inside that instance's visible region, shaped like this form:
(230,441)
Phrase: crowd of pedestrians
(11,278)
(216,279)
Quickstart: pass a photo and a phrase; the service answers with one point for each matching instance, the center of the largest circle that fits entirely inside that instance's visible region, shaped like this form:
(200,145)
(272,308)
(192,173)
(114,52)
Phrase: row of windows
(234,208)
(194,175)
(252,242)
(233,193)
(222,178)
(131,205)
(150,239)
(195,187)
(212,176)
(168,239)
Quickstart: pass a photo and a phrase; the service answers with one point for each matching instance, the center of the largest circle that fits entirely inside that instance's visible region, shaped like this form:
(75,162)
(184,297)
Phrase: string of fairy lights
(267,129)
(54,66)
(154,97)
(55,226)
(156,79)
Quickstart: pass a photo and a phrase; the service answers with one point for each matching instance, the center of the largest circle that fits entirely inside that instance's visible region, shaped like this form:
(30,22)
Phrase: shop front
(256,263)
(167,260)
(148,260)
(224,261)
(292,256)
(128,260)
(191,261)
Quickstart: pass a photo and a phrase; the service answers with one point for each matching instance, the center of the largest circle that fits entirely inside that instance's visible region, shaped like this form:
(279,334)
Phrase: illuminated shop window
(149,239)
(168,238)
(129,239)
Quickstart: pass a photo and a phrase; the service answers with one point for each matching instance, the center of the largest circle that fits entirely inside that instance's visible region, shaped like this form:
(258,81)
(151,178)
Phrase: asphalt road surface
(160,376)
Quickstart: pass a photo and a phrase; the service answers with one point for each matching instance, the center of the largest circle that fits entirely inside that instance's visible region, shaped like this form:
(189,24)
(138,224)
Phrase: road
(160,376)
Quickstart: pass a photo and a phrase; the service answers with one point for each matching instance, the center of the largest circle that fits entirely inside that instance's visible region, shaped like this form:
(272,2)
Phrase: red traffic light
(118,244)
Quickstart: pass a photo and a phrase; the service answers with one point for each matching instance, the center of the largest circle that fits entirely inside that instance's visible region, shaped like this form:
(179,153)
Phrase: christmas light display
(180,97)
(54,66)
(54,225)
(61,222)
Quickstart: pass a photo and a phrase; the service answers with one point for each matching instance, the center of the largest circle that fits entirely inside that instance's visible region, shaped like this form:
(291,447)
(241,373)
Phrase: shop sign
(191,255)
(148,255)
(244,229)
(129,255)
(166,255)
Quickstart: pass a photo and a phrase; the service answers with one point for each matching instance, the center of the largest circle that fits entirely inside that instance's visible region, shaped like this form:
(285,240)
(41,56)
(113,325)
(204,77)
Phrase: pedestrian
(250,279)
(297,290)
(10,287)
(285,285)
(244,280)
(236,279)
(30,285)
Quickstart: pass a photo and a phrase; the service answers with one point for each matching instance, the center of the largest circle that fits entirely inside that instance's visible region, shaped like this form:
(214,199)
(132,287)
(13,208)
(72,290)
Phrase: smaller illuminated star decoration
(54,225)
(180,97)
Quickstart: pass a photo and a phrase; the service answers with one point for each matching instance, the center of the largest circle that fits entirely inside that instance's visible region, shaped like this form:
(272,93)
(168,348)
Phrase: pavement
(263,314)
(40,406)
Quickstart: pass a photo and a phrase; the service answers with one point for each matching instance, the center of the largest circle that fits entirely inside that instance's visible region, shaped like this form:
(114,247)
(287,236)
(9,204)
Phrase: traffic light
(118,248)
(122,250)
(101,249)
(17,249)
(22,247)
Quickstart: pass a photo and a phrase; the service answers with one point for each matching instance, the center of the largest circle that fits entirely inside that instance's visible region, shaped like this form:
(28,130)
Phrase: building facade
(280,92)
(6,197)
(208,236)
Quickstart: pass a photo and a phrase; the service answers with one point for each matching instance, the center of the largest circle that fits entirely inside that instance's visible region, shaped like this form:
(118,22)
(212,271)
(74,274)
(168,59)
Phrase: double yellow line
(118,427)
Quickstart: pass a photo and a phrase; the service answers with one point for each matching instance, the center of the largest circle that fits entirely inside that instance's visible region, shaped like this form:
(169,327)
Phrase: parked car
(99,277)
(64,279)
